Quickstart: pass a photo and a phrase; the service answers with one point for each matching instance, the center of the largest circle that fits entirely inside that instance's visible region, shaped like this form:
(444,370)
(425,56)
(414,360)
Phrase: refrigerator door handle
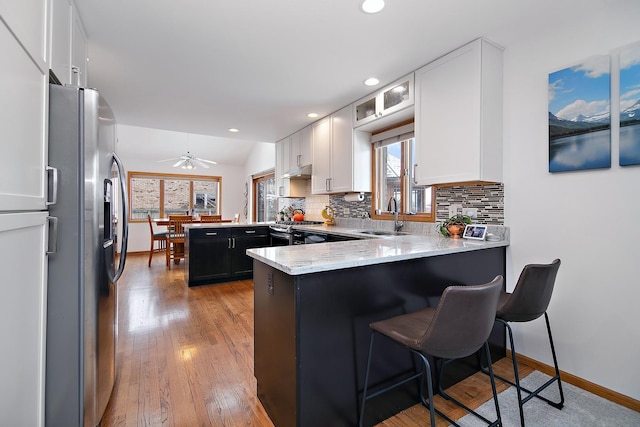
(52,246)
(114,276)
(52,183)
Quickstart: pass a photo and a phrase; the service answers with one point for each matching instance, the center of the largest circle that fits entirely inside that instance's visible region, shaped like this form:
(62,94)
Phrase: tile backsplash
(488,199)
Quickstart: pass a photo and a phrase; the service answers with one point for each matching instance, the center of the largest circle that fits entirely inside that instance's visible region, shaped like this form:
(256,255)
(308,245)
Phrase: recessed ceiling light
(312,115)
(234,130)
(371,81)
(372,6)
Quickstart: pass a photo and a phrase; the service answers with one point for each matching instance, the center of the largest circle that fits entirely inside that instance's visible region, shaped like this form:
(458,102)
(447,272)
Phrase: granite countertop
(305,259)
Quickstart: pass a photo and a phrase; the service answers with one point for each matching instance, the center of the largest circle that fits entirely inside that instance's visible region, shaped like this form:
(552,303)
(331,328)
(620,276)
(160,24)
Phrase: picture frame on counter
(475,231)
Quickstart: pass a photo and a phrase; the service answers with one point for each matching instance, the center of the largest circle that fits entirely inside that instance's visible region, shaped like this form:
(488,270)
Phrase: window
(162,195)
(265,198)
(394,154)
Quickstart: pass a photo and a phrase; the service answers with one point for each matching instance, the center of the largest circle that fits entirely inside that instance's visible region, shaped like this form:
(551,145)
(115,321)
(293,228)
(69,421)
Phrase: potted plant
(454,226)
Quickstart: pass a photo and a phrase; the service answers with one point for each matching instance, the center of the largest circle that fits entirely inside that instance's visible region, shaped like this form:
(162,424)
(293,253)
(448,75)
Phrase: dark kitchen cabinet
(241,240)
(208,255)
(218,254)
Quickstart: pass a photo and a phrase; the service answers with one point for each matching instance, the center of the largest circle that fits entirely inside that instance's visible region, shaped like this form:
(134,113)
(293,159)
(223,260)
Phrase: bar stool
(529,301)
(458,327)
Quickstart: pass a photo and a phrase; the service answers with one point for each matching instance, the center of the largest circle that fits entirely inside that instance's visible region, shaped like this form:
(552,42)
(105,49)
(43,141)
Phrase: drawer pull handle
(212,234)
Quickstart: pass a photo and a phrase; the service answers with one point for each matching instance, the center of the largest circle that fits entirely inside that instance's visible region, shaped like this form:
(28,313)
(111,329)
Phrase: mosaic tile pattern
(487,198)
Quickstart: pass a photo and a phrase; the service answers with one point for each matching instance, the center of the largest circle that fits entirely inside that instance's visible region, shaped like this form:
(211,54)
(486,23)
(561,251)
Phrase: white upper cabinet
(68,44)
(300,147)
(341,155)
(61,12)
(291,152)
(458,116)
(381,105)
(23,102)
(321,155)
(282,166)
(78,52)
(28,20)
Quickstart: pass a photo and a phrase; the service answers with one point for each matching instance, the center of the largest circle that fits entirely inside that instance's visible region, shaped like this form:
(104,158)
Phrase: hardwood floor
(185,356)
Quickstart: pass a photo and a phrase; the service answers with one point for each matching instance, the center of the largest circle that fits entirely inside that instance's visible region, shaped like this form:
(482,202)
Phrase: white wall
(573,216)
(233,177)
(261,159)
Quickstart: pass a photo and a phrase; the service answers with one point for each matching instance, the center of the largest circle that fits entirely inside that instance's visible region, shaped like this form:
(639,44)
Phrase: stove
(282,232)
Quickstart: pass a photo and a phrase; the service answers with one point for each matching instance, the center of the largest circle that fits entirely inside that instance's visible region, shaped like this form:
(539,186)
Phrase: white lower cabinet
(23,240)
(341,155)
(458,116)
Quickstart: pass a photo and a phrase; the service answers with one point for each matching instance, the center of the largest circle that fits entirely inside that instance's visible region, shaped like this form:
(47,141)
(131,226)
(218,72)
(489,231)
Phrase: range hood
(298,172)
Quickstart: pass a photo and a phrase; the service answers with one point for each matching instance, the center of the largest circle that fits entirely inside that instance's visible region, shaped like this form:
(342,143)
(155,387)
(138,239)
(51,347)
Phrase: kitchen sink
(383,232)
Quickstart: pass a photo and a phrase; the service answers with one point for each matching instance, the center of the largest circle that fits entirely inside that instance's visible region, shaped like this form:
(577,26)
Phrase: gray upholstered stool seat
(529,301)
(458,327)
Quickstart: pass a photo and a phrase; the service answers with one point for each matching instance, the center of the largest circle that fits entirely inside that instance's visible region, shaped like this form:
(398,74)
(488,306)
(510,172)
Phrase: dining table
(166,221)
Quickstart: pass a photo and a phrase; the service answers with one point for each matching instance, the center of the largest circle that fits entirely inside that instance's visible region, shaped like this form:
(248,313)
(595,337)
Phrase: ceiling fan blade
(200,163)
(168,160)
(206,161)
(178,163)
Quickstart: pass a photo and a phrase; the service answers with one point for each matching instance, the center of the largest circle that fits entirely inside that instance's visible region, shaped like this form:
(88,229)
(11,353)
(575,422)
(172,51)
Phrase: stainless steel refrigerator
(90,198)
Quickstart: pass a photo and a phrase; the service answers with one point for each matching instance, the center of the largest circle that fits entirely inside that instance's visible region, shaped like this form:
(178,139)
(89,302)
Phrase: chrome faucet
(397,225)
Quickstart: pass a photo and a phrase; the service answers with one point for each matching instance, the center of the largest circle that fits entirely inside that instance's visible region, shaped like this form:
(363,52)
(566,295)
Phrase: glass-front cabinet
(392,98)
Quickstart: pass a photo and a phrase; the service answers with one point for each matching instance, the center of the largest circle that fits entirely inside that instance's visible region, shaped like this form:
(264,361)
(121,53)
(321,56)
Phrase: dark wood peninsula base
(312,334)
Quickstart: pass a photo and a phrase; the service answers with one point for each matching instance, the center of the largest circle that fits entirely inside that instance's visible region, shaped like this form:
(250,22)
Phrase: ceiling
(204,66)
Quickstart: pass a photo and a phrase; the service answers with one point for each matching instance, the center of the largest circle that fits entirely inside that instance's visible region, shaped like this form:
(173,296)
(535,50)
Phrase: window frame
(167,176)
(256,179)
(404,186)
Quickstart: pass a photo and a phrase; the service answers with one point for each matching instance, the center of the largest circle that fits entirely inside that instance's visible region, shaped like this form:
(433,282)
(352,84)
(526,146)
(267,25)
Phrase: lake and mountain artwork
(630,105)
(580,116)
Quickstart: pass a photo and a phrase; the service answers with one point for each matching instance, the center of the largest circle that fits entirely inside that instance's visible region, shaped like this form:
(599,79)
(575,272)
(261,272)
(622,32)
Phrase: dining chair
(529,301)
(458,327)
(180,217)
(176,238)
(210,218)
(160,237)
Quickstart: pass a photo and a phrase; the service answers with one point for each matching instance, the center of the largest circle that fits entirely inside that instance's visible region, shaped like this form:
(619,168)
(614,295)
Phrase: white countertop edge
(341,255)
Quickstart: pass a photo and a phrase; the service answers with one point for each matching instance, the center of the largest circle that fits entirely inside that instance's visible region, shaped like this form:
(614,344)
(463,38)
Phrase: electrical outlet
(470,212)
(453,210)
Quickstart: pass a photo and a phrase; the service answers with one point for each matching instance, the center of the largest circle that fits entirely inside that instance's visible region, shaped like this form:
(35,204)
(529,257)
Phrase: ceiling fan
(189,161)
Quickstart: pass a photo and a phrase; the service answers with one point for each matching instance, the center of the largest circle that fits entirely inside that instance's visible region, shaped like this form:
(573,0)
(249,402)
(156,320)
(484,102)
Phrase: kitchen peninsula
(313,305)
(216,252)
